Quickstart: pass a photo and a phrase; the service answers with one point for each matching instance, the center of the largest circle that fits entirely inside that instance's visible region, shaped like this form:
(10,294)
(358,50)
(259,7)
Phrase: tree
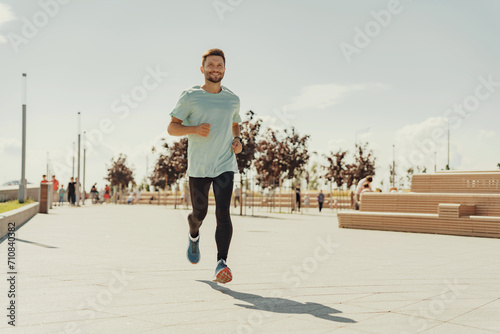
(119,174)
(249,132)
(312,176)
(336,168)
(409,174)
(349,174)
(411,171)
(269,164)
(498,165)
(171,164)
(364,163)
(294,154)
(280,156)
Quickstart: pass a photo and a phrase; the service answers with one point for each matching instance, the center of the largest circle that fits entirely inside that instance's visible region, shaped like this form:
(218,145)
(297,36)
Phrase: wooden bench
(449,210)
(486,182)
(486,204)
(422,223)
(466,204)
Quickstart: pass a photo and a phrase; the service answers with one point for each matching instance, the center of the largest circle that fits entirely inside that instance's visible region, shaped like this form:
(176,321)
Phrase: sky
(384,72)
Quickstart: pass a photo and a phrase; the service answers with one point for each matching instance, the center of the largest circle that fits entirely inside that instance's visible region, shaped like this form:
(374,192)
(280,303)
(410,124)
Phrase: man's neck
(212,87)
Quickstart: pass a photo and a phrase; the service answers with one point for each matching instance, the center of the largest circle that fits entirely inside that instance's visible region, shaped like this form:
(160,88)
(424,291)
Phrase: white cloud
(420,144)
(272,122)
(6,15)
(486,135)
(321,96)
(9,146)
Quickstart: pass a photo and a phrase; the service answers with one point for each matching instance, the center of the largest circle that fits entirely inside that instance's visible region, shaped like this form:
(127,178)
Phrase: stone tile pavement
(123,269)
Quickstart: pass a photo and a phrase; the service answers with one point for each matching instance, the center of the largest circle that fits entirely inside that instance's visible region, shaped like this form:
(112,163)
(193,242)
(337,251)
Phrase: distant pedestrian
(44,179)
(94,194)
(55,188)
(131,198)
(237,196)
(307,201)
(359,189)
(366,188)
(321,200)
(297,197)
(61,195)
(71,192)
(137,194)
(107,194)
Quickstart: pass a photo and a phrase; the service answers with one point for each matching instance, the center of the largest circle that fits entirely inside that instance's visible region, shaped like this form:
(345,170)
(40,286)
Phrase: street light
(73,171)
(393,164)
(448,165)
(22,184)
(78,194)
(84,154)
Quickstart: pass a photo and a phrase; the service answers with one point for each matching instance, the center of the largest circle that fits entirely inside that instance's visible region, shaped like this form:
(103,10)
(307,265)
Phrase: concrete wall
(18,216)
(10,193)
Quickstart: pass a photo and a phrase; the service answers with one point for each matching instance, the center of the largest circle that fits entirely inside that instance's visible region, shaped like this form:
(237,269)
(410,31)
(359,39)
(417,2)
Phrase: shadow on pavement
(280,305)
(36,243)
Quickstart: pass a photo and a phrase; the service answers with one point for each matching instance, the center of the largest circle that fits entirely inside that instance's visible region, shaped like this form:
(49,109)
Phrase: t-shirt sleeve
(183,108)
(236,116)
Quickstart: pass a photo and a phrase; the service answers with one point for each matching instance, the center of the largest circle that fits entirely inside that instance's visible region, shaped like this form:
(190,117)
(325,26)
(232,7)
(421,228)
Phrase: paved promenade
(123,269)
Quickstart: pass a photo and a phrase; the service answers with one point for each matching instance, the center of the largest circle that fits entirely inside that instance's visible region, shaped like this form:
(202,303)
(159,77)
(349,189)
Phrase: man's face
(213,69)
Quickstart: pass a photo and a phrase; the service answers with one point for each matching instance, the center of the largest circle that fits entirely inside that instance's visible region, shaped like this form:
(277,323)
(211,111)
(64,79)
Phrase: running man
(209,116)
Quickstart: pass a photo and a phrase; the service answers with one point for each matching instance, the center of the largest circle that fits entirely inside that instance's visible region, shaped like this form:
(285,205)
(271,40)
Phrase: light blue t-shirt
(212,155)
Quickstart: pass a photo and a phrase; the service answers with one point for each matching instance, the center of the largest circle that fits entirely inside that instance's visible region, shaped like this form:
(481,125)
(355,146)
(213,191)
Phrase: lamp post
(448,165)
(435,161)
(22,184)
(78,194)
(393,165)
(84,155)
(73,170)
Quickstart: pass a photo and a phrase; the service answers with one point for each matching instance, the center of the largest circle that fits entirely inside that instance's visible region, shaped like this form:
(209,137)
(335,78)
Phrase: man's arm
(236,130)
(175,128)
(237,147)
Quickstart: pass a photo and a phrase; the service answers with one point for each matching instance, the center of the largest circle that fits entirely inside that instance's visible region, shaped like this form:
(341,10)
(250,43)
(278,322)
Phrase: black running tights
(223,190)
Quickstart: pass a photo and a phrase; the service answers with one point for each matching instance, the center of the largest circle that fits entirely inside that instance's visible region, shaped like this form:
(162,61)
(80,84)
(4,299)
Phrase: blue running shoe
(193,252)
(222,272)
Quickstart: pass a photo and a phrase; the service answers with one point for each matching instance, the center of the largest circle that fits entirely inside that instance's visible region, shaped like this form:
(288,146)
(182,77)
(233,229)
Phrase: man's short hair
(213,52)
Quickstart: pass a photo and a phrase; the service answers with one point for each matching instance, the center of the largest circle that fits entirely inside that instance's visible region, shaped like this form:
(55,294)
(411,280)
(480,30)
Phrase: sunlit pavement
(123,269)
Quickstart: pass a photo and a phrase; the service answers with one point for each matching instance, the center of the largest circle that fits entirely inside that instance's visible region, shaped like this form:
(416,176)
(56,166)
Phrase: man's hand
(203,129)
(237,147)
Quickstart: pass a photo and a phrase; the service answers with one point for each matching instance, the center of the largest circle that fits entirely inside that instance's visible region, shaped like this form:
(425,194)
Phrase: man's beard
(214,80)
